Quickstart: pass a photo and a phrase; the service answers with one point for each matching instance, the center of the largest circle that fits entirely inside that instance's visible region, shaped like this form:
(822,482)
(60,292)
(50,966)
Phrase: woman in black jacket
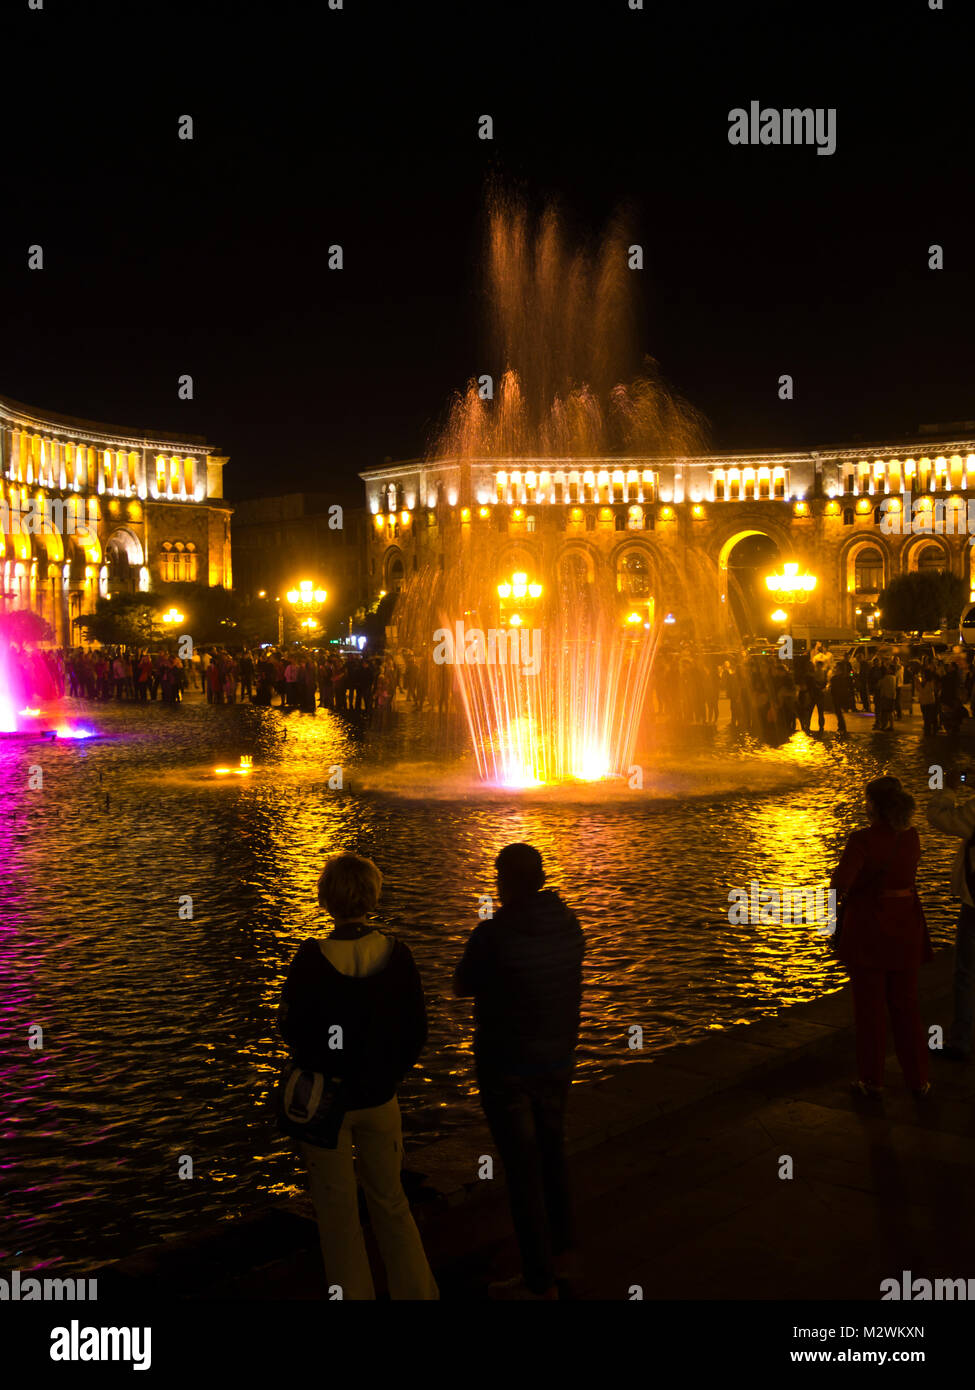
(352,1008)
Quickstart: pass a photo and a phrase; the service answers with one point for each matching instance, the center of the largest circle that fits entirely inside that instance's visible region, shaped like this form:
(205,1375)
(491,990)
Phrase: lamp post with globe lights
(306,602)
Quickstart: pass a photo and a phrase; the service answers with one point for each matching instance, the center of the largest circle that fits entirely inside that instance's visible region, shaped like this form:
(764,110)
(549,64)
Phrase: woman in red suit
(884,937)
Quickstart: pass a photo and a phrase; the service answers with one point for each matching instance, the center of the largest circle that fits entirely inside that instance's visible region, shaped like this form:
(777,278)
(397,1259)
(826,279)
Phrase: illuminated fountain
(553,689)
(570,703)
(17,718)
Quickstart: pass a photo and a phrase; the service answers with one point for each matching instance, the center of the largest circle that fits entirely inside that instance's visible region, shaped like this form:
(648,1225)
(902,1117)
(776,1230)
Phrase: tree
(23,626)
(127,620)
(923,602)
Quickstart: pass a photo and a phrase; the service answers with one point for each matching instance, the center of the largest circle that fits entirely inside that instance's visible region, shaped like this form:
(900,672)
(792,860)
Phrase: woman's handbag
(309,1106)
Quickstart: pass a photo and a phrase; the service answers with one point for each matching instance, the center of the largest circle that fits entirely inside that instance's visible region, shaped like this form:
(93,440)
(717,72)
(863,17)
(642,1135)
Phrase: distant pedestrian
(841,693)
(885,699)
(927,698)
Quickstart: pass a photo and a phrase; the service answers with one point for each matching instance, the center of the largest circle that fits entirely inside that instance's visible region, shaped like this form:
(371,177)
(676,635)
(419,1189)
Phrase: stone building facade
(92,509)
(280,541)
(667,529)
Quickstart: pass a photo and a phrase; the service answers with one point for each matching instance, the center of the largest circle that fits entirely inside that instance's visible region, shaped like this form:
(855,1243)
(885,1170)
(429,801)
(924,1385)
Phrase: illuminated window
(931,560)
(869,571)
(633,576)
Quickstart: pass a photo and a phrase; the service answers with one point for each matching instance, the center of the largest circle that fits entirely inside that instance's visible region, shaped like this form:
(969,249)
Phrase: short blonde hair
(349,887)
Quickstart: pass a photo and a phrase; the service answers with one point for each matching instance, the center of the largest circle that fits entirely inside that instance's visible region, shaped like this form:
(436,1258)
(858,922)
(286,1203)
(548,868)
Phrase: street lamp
(791,586)
(518,594)
(306,599)
(790,582)
(173,616)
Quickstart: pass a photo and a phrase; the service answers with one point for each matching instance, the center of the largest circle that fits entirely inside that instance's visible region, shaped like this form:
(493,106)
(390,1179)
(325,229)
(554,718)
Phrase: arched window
(869,571)
(633,576)
(573,571)
(394,575)
(931,560)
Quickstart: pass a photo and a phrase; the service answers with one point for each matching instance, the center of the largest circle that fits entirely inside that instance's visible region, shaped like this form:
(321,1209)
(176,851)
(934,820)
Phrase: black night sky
(359,127)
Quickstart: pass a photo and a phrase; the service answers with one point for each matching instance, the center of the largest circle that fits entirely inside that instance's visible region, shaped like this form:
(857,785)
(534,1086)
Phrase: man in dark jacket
(523,967)
(841,689)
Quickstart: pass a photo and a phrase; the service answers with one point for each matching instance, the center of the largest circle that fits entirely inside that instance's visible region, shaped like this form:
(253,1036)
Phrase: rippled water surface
(159,1030)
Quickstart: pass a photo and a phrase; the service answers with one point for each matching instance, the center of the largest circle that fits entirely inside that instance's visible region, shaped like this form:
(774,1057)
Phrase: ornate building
(668,528)
(91,509)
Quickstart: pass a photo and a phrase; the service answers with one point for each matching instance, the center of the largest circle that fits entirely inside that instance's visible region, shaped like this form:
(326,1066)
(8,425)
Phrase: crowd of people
(765,695)
(307,680)
(772,697)
(299,679)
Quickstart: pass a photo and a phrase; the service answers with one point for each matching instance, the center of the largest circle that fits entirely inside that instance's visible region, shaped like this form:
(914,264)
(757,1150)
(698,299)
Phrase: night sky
(360,127)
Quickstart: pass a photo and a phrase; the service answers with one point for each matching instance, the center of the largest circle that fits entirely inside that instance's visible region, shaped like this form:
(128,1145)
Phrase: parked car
(966,625)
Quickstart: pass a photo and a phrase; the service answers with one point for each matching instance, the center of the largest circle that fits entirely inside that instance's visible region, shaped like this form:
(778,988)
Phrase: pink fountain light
(8,700)
(17,716)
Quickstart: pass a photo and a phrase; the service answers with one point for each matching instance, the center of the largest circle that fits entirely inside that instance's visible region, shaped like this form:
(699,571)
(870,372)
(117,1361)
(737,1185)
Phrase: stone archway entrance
(123,558)
(744,560)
